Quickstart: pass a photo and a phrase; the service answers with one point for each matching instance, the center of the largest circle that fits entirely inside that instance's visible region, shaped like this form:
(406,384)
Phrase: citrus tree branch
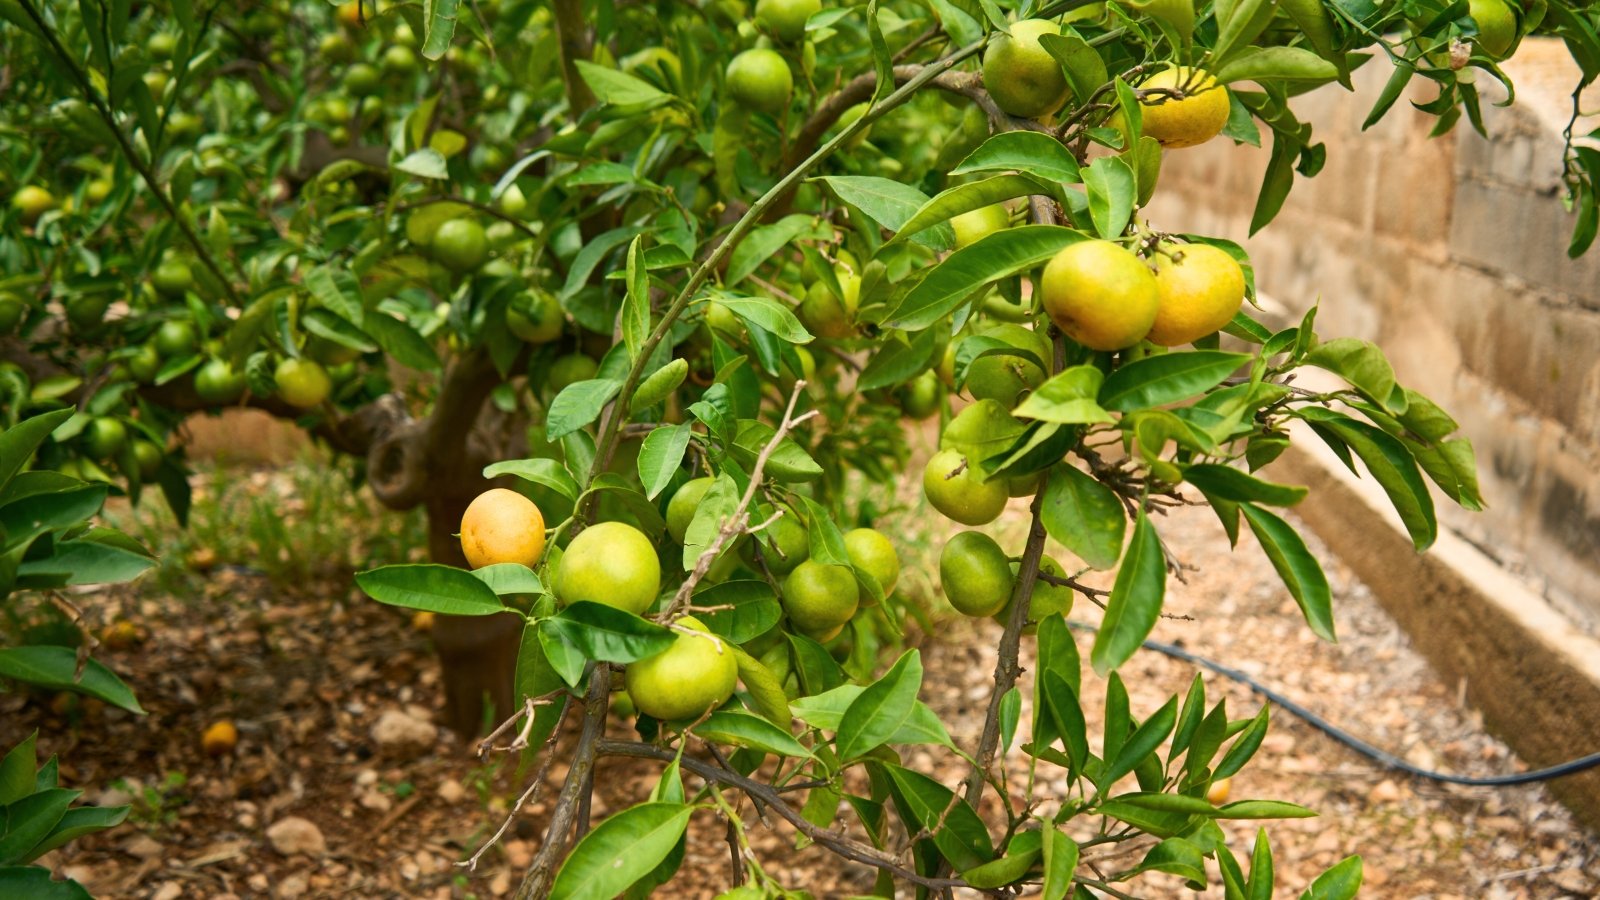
(132,155)
(575,43)
(541,874)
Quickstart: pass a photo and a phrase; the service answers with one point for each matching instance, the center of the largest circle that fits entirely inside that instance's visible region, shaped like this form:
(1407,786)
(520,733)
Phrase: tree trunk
(477,654)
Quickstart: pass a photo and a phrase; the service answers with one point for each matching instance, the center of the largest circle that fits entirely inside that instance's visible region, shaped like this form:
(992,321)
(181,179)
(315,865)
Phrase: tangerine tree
(633,299)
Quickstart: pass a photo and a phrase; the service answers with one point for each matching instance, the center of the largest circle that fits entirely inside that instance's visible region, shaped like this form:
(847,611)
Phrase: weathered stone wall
(1450,253)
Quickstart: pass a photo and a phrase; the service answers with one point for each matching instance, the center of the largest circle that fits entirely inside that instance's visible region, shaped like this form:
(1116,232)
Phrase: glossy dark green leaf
(509,578)
(35,883)
(18,769)
(972,195)
(880,710)
(816,668)
(1084,516)
(742,729)
(1340,882)
(1069,398)
(1023,151)
(889,203)
(18,442)
(607,634)
(434,588)
(962,839)
(769,314)
(1023,854)
(1300,571)
(620,851)
(754,611)
(1244,746)
(618,88)
(1167,378)
(1135,602)
(1231,484)
(75,823)
(402,342)
(578,404)
(1113,190)
(661,455)
(1060,861)
(1363,365)
(762,242)
(55,667)
(1001,254)
(30,820)
(1144,742)
(548,472)
(1264,809)
(1391,465)
(897,361)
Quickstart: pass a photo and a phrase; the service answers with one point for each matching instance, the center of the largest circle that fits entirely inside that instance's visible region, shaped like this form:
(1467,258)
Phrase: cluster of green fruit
(617,565)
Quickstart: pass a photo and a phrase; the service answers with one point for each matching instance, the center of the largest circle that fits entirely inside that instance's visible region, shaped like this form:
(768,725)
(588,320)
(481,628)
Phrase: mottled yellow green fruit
(820,599)
(1048,599)
(972,227)
(573,367)
(302,383)
(959,492)
(975,574)
(786,544)
(611,563)
(680,509)
(1497,26)
(786,19)
(871,552)
(1004,378)
(828,315)
(1025,485)
(460,245)
(1196,118)
(32,202)
(760,80)
(502,526)
(1022,76)
(1201,288)
(1100,295)
(535,316)
(695,674)
(919,397)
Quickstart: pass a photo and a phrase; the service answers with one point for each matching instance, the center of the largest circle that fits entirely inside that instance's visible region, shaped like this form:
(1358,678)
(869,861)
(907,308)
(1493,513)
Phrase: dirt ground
(306,670)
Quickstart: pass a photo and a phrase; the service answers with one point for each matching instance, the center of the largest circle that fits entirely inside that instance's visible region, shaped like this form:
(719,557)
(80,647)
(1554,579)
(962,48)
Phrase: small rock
(451,791)
(367,777)
(399,732)
(169,891)
(292,886)
(144,847)
(500,884)
(258,882)
(377,800)
(1385,791)
(112,796)
(519,854)
(293,835)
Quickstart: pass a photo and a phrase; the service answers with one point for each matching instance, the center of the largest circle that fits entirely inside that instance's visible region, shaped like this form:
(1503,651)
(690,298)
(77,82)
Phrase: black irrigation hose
(1382,757)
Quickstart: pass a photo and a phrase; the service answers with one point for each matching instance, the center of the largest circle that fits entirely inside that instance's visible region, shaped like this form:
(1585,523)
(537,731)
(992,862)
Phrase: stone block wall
(1451,254)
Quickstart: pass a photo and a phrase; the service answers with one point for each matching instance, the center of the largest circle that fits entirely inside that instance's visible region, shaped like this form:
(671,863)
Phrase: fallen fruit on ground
(220,738)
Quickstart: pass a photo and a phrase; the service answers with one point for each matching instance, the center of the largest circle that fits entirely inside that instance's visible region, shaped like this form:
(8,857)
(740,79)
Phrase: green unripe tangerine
(302,383)
(175,338)
(1020,74)
(611,563)
(535,316)
(697,673)
(957,491)
(760,80)
(870,551)
(975,574)
(786,19)
(218,384)
(460,245)
(680,509)
(1047,600)
(104,438)
(819,599)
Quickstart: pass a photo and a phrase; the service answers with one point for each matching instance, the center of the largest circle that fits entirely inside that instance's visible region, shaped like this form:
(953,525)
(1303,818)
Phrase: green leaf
(34,882)
(788,460)
(1144,742)
(924,803)
(1363,365)
(1231,484)
(1025,850)
(755,609)
(1084,68)
(897,361)
(620,851)
(619,88)
(547,472)
(29,821)
(578,404)
(1060,861)
(764,689)
(1265,65)
(967,197)
(424,163)
(1135,602)
(56,667)
(1239,23)
(1000,255)
(1175,16)
(18,442)
(1264,809)
(1167,378)
(1300,572)
(1390,463)
(1022,151)
(440,16)
(535,678)
(889,203)
(31,516)
(741,729)
(1244,746)
(325,323)
(88,562)
(880,710)
(660,385)
(1010,716)
(763,241)
(1175,856)
(427,586)
(1113,189)
(1341,882)
(769,314)
(636,302)
(402,342)
(75,823)
(1067,398)
(18,769)
(1277,181)
(509,578)
(661,455)
(816,668)
(719,502)
(607,634)
(1084,516)
(1066,717)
